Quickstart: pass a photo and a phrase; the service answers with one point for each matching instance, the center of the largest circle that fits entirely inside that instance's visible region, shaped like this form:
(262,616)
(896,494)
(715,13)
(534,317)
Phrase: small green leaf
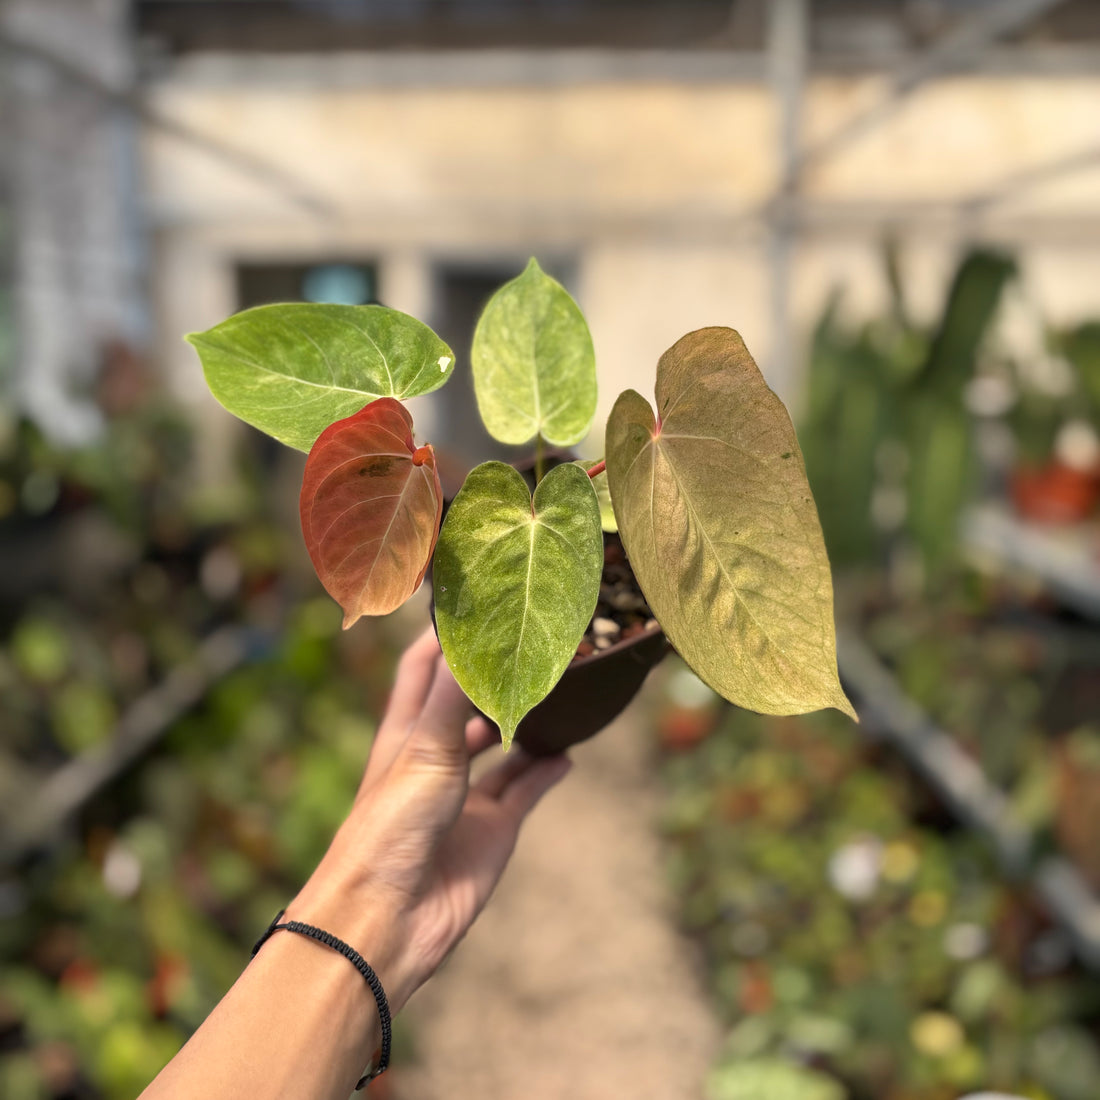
(291,370)
(721,528)
(516,582)
(533,362)
(603,495)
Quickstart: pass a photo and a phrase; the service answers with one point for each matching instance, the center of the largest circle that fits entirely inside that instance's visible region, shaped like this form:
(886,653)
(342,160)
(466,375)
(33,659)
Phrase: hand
(422,848)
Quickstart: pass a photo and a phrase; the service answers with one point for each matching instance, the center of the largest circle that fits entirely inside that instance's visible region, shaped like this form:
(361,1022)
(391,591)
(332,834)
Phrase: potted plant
(1044,487)
(708,494)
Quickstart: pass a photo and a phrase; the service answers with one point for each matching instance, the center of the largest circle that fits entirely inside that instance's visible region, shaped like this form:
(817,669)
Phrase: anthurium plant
(707,491)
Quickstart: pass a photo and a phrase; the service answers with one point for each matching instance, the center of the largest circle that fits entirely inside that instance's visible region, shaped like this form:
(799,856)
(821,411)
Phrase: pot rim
(617,647)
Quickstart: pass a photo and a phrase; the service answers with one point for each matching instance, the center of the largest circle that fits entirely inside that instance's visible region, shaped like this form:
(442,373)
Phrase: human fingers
(480,735)
(521,795)
(415,672)
(496,781)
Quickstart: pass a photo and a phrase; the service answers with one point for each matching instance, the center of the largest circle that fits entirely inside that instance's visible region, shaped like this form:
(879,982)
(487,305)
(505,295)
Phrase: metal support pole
(788,36)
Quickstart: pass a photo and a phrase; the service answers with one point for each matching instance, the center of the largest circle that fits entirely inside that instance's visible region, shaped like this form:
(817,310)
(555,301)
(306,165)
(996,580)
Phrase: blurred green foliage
(128,935)
(1007,679)
(118,938)
(1081,347)
(851,926)
(885,415)
(855,937)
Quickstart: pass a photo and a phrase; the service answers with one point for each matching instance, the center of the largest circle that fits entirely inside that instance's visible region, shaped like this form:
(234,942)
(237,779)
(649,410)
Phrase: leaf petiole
(540,458)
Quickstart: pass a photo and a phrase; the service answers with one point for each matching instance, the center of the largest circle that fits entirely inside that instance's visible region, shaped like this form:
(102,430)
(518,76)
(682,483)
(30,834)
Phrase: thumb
(522,794)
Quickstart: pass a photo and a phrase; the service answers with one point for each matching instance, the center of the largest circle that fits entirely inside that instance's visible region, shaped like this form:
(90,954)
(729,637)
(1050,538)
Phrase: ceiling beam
(952,52)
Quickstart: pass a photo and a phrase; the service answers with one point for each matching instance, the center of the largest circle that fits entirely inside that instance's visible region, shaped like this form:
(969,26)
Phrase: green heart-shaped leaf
(291,370)
(533,363)
(516,582)
(370,505)
(720,527)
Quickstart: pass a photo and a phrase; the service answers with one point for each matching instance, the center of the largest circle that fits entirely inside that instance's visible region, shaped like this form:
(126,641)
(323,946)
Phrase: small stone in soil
(604,628)
(603,642)
(586,648)
(622,599)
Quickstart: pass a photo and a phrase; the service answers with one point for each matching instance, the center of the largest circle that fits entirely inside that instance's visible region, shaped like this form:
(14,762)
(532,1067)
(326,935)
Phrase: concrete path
(574,984)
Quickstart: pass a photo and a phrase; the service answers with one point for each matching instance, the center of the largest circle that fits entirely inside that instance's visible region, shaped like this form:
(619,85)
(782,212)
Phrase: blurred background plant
(852,930)
(135,902)
(897,413)
(861,942)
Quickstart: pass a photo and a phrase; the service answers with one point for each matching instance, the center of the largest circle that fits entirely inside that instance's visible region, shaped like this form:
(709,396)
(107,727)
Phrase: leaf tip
(844,705)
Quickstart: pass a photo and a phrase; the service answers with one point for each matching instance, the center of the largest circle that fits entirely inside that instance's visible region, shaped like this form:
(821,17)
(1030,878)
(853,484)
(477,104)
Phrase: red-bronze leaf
(371,506)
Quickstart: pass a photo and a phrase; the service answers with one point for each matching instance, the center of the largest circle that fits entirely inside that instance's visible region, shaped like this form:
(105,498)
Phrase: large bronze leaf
(720,527)
(371,506)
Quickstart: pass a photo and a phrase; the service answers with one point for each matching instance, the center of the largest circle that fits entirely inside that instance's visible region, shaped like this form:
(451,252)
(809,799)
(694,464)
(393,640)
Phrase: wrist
(369,920)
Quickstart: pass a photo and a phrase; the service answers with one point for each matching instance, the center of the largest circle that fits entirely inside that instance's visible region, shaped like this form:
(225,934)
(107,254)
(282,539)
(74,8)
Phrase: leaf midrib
(710,545)
(293,377)
(526,596)
(327,387)
(389,526)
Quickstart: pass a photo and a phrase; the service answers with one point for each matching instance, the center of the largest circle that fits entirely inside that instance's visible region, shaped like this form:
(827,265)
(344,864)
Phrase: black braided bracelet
(360,964)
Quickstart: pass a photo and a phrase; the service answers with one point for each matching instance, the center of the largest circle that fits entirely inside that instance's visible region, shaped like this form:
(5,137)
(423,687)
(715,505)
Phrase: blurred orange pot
(1054,493)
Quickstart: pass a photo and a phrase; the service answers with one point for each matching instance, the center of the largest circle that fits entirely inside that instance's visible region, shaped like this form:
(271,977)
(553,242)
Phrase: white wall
(655,185)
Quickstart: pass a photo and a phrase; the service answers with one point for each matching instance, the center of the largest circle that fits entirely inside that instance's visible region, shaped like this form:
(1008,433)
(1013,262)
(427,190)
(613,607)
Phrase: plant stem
(597,469)
(540,458)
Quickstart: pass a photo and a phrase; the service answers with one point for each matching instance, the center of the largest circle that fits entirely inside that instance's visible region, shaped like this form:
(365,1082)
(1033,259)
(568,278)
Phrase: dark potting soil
(621,610)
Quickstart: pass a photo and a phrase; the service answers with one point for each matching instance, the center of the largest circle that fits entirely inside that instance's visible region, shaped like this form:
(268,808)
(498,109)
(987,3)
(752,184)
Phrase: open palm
(432,844)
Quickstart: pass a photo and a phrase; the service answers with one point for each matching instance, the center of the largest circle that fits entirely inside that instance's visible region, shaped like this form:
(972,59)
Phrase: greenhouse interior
(896,204)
